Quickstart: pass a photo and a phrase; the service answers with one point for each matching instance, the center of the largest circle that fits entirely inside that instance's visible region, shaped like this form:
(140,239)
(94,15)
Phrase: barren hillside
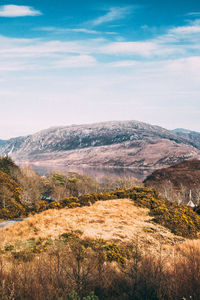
(117,143)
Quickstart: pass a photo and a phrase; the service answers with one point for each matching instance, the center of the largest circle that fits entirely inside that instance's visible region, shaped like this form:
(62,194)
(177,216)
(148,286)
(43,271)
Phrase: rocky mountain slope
(124,144)
(192,136)
(2,142)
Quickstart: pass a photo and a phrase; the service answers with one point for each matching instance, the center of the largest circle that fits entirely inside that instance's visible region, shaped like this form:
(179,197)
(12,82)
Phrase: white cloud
(63,30)
(114,13)
(39,48)
(37,54)
(84,30)
(124,63)
(26,55)
(179,41)
(80,61)
(57,30)
(189,65)
(140,48)
(12,11)
(185,30)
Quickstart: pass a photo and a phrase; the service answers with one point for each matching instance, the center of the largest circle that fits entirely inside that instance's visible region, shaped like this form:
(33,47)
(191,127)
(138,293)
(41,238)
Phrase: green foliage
(70,202)
(111,251)
(114,252)
(74,296)
(58,179)
(71,184)
(91,297)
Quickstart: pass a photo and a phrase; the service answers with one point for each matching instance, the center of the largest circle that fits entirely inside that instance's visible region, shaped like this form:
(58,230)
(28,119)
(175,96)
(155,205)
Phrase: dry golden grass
(187,245)
(113,220)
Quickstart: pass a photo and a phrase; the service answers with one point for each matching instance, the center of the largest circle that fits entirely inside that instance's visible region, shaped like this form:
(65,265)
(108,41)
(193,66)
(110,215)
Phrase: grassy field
(117,220)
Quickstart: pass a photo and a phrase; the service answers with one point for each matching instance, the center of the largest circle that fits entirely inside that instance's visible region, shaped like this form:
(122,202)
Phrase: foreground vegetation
(75,269)
(39,260)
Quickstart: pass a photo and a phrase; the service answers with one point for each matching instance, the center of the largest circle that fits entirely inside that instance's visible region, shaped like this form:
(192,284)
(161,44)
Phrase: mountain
(2,142)
(117,143)
(192,136)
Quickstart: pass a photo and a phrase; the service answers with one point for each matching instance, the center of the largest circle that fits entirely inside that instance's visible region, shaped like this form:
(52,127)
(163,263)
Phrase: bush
(8,166)
(10,196)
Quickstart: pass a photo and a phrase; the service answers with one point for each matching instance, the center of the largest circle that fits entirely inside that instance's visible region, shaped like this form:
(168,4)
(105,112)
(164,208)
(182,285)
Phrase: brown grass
(113,220)
(55,273)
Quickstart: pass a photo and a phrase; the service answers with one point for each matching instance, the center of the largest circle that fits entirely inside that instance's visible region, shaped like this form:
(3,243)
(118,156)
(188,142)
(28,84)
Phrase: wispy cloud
(176,42)
(195,14)
(185,29)
(114,13)
(28,54)
(36,54)
(58,30)
(12,11)
(63,30)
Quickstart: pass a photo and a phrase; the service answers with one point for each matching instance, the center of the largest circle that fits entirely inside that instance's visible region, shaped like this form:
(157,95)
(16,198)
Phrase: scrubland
(112,240)
(110,250)
(72,268)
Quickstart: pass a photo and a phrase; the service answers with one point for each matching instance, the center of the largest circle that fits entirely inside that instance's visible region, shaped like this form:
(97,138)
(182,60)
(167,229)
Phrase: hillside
(124,144)
(117,221)
(185,174)
(192,136)
(104,249)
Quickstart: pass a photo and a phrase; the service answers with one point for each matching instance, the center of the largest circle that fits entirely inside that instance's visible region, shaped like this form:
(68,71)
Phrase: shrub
(8,166)
(10,196)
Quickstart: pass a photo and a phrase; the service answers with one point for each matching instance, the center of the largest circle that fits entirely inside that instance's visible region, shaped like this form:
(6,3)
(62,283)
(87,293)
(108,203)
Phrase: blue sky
(70,62)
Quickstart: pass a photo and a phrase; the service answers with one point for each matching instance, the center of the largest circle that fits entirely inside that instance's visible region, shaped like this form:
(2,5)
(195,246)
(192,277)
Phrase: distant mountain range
(117,143)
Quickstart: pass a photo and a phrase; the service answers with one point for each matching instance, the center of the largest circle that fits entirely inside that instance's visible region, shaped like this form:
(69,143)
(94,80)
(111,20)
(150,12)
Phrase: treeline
(23,191)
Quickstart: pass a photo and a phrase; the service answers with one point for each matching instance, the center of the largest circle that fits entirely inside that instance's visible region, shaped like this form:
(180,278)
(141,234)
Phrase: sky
(68,62)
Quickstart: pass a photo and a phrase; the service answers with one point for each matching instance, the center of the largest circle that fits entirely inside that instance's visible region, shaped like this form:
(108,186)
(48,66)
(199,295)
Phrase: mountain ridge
(113,143)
